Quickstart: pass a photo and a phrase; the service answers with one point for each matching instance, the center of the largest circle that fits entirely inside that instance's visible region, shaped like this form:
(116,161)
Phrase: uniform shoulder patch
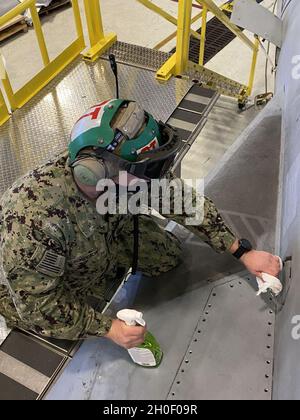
(51,264)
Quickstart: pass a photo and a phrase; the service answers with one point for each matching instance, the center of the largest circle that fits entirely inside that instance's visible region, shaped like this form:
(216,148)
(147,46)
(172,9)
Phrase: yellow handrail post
(4,114)
(212,7)
(253,66)
(179,63)
(183,35)
(51,68)
(39,34)
(18,10)
(77,18)
(94,20)
(203,36)
(99,41)
(9,92)
(167,70)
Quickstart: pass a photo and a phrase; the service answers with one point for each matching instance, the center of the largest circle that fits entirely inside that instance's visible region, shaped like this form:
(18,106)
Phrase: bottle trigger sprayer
(149,353)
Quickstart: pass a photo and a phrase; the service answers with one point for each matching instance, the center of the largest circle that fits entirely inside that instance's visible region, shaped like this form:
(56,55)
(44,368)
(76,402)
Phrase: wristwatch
(244,247)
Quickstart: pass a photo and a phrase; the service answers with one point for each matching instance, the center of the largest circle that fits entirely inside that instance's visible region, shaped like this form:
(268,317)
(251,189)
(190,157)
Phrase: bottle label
(143,357)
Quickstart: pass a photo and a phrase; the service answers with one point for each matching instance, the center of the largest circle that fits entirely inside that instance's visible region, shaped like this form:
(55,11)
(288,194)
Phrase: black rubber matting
(192,111)
(11,390)
(33,356)
(27,351)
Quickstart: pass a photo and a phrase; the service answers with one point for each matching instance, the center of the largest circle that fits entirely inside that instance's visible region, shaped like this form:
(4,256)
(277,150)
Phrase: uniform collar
(87,218)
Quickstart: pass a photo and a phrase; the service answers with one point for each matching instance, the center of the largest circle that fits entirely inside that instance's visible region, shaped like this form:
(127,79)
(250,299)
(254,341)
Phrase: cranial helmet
(118,135)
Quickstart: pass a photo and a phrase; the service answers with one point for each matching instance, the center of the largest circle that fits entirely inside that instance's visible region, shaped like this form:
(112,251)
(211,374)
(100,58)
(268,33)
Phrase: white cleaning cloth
(269,282)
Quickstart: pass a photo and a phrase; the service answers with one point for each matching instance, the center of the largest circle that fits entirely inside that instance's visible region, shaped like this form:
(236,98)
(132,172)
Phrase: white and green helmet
(94,129)
(122,131)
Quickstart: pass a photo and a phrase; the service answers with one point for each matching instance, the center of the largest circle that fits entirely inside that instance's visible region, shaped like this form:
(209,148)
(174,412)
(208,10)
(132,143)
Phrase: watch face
(244,243)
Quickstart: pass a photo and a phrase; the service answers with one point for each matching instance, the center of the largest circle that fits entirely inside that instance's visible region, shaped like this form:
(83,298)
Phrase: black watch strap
(244,247)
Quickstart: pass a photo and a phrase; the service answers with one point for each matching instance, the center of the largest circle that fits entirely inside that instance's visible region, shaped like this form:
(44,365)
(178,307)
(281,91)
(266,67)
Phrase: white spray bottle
(149,353)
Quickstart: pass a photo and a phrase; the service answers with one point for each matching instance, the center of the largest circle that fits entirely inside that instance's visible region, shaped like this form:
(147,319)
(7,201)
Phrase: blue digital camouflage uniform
(56,251)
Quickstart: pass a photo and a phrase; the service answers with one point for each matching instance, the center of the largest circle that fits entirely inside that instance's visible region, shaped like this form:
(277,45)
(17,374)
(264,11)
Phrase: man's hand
(125,336)
(258,262)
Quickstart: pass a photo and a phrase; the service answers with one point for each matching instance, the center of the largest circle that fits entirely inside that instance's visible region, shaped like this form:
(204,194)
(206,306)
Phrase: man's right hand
(125,336)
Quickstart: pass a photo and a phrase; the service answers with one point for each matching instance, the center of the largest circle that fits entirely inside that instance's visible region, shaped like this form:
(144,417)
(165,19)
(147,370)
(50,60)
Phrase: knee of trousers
(162,263)
(7,308)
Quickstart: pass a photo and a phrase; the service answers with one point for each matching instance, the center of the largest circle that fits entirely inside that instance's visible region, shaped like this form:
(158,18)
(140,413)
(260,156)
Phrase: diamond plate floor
(138,56)
(42,127)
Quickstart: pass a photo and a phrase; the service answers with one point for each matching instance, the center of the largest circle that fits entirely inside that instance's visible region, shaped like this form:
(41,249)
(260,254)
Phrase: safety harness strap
(135,244)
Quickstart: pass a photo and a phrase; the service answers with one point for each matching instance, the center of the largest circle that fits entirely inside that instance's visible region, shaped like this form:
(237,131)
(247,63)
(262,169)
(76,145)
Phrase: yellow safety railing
(226,7)
(98,44)
(168,17)
(179,62)
(51,68)
(98,40)
(203,35)
(4,114)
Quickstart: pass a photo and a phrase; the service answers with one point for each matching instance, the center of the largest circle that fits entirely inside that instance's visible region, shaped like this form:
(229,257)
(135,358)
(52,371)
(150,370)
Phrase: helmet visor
(150,165)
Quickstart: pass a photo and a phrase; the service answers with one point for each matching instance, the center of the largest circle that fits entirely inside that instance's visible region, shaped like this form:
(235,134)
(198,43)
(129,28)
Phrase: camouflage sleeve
(43,302)
(208,225)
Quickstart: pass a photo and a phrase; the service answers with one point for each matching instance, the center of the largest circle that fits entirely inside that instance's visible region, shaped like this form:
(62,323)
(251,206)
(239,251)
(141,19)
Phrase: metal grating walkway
(218,36)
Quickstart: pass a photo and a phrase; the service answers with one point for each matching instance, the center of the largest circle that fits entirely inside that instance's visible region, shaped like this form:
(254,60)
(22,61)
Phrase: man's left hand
(258,262)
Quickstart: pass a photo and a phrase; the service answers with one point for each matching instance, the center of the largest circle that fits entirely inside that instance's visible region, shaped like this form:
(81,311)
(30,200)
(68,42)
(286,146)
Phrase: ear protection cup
(88,171)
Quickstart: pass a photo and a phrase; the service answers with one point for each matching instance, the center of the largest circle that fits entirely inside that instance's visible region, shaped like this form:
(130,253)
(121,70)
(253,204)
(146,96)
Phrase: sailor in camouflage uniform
(57,251)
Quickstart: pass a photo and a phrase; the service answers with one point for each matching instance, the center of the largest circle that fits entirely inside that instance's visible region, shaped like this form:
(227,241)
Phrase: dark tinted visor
(150,165)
